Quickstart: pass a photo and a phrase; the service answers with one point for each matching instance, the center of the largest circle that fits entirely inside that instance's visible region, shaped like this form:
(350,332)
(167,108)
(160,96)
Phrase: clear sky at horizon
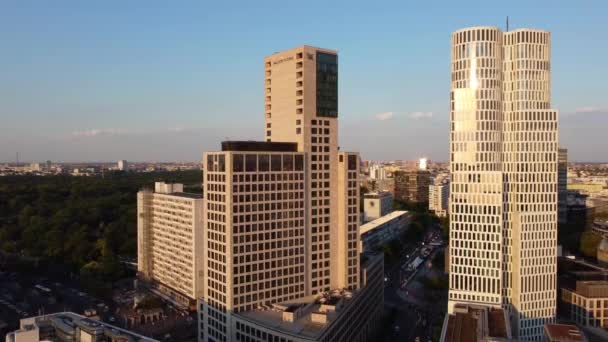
(165,81)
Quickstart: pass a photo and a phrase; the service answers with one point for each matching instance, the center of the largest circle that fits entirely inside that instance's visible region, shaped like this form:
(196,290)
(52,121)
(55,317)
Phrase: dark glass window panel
(275,162)
(299,162)
(327,85)
(263,163)
(237,163)
(288,162)
(221,160)
(210,162)
(352,162)
(251,162)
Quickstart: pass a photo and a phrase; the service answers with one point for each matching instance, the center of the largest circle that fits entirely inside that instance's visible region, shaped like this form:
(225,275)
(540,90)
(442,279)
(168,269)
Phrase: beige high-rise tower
(281,220)
(301,105)
(503,198)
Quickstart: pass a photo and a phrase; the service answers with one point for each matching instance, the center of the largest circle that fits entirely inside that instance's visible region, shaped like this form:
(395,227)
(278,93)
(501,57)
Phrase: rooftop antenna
(507,23)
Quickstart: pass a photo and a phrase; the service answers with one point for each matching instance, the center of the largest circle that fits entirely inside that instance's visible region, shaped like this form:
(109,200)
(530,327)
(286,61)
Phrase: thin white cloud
(385,116)
(589,109)
(94,132)
(98,132)
(421,115)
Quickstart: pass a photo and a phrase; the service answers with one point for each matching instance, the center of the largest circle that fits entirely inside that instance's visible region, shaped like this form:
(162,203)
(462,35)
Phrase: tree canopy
(85,224)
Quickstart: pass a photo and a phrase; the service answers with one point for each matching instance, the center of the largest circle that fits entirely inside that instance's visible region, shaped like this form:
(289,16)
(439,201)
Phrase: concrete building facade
(562,185)
(412,185)
(588,303)
(381,230)
(376,205)
(282,215)
(301,106)
(503,195)
(170,241)
(439,195)
(377,172)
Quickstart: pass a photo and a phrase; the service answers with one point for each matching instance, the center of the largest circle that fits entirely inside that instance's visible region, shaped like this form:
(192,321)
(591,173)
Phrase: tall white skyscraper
(503,198)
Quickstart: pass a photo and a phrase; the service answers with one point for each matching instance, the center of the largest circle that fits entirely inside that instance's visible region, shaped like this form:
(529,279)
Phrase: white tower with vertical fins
(503,159)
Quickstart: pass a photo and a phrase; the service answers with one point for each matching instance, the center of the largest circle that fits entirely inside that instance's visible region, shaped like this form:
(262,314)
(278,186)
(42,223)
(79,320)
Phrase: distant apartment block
(68,326)
(376,205)
(123,165)
(412,185)
(170,242)
(379,185)
(377,172)
(423,163)
(439,195)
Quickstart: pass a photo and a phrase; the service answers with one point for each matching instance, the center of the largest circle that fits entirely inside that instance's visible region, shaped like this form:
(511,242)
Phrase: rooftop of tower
(309,317)
(469,323)
(521,29)
(304,47)
(259,146)
(477,28)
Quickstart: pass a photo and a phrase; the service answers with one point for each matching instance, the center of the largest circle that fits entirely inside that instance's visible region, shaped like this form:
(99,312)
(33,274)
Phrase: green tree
(589,242)
(73,222)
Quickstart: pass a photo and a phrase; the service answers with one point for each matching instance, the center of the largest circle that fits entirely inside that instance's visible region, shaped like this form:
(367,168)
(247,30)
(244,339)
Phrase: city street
(413,315)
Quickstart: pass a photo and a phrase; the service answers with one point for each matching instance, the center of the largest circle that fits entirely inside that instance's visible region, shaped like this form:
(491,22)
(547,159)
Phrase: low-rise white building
(382,230)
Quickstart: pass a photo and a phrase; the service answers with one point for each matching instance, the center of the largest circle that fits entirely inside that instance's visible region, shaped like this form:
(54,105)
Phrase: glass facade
(327,85)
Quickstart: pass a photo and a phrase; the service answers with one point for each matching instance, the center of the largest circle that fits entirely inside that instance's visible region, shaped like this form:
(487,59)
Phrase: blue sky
(164,81)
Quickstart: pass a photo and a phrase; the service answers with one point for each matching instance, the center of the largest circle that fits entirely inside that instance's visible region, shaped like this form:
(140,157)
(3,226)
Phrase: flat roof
(187,195)
(67,321)
(302,326)
(563,332)
(496,323)
(259,146)
(380,221)
(303,47)
(377,194)
(462,327)
(471,323)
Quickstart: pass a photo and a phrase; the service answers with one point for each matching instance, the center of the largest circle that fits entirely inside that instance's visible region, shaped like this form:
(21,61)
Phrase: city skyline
(290,234)
(110,82)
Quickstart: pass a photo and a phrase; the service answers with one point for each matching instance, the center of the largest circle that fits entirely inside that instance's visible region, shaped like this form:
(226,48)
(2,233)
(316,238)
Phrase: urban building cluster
(272,249)
(281,245)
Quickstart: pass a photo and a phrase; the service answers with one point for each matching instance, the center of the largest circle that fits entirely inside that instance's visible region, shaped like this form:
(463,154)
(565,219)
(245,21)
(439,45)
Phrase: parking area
(24,296)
